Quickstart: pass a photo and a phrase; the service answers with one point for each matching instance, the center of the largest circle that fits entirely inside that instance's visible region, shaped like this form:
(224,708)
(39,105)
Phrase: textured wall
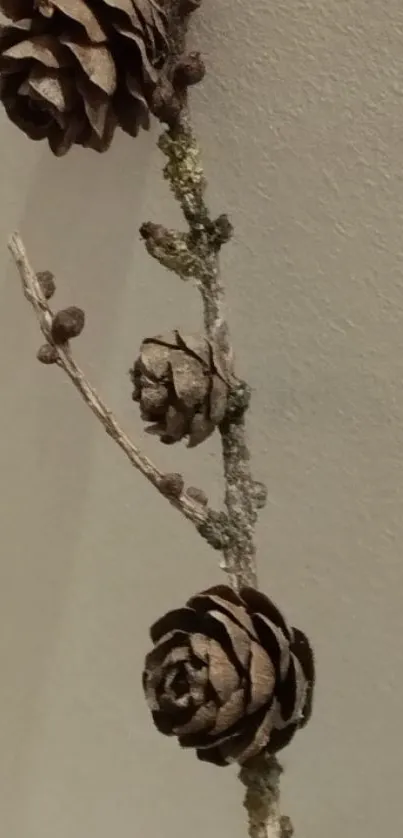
(301,120)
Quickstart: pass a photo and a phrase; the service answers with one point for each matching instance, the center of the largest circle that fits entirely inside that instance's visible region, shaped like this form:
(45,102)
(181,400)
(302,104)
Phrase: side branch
(209,523)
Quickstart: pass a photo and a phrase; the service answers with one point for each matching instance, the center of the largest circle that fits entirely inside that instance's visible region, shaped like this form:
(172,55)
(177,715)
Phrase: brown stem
(185,175)
(207,522)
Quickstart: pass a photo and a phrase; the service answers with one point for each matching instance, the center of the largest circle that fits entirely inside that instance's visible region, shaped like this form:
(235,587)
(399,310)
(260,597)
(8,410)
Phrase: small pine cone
(180,384)
(71,72)
(228,676)
(189,70)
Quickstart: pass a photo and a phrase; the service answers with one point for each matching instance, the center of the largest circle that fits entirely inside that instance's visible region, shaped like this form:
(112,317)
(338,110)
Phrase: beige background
(301,120)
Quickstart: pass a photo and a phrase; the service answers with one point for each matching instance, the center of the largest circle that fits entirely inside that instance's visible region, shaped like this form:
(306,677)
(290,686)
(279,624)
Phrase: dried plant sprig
(210,524)
(201,244)
(243,495)
(192,255)
(231,532)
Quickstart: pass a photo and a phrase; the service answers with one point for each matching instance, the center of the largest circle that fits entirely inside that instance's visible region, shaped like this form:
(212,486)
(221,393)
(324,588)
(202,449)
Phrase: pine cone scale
(97,107)
(190,386)
(49,88)
(175,426)
(96,61)
(36,131)
(203,718)
(228,714)
(62,138)
(154,360)
(17,10)
(134,89)
(132,113)
(216,603)
(145,8)
(201,428)
(80,12)
(41,48)
(223,675)
(218,400)
(149,72)
(125,16)
(262,675)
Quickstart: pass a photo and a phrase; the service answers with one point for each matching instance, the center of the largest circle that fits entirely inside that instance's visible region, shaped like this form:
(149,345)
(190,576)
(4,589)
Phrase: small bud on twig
(259,494)
(67,324)
(47,283)
(197,494)
(286,826)
(220,231)
(47,354)
(190,69)
(149,230)
(172,484)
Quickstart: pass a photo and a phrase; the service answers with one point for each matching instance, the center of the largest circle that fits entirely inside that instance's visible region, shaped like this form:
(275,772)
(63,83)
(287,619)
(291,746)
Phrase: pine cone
(181,386)
(228,676)
(72,70)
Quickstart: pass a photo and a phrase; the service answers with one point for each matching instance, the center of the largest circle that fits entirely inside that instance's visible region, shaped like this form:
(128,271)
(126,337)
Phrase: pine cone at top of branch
(180,383)
(71,71)
(228,676)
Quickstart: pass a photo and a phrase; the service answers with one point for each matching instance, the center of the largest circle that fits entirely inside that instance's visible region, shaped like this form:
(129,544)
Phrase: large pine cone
(181,386)
(72,70)
(228,676)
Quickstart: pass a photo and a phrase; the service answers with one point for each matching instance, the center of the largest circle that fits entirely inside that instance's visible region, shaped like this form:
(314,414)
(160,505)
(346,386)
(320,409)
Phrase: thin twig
(205,519)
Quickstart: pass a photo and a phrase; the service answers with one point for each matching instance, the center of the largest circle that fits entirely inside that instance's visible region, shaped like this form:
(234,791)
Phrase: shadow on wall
(80,220)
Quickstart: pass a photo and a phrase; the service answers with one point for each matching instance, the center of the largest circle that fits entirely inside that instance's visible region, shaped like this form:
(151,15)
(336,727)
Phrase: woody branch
(195,254)
(209,523)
